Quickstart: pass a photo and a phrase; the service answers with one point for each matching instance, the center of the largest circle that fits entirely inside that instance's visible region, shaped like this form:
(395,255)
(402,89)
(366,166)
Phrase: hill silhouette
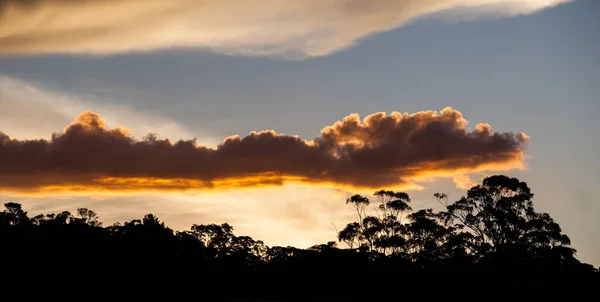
(489,243)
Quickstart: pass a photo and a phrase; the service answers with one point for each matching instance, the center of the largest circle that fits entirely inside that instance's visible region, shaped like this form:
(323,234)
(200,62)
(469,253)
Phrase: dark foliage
(490,242)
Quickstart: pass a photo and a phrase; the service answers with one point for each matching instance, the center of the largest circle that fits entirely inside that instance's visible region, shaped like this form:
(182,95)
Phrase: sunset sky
(268,114)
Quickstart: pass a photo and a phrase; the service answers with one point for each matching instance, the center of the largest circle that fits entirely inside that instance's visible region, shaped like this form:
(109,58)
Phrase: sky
(269,114)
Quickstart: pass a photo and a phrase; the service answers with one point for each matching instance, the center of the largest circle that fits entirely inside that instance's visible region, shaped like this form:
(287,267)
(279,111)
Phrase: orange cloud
(380,151)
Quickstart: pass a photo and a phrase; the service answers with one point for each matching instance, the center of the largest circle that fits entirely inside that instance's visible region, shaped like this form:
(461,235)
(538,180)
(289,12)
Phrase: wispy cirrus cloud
(246,27)
(380,150)
(30,110)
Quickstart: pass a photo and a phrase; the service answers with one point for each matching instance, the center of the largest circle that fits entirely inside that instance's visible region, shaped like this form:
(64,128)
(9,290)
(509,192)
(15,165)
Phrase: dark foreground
(154,285)
(488,245)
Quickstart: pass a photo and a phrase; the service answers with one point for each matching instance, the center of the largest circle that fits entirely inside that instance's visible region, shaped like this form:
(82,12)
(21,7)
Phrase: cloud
(29,110)
(26,112)
(463,182)
(380,151)
(260,27)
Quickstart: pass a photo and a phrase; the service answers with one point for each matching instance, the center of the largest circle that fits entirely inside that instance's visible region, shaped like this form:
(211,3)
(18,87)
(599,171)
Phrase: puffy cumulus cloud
(380,151)
(248,27)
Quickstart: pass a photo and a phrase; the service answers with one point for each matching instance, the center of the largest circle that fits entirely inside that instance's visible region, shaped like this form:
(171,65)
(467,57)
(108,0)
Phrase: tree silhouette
(378,230)
(88,217)
(499,215)
(14,215)
(494,226)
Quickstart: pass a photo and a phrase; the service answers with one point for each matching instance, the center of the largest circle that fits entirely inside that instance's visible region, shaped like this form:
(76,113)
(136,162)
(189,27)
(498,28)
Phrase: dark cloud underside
(381,150)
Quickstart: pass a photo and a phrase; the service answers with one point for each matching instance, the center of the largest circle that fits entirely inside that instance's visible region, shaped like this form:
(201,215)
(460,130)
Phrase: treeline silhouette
(490,242)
